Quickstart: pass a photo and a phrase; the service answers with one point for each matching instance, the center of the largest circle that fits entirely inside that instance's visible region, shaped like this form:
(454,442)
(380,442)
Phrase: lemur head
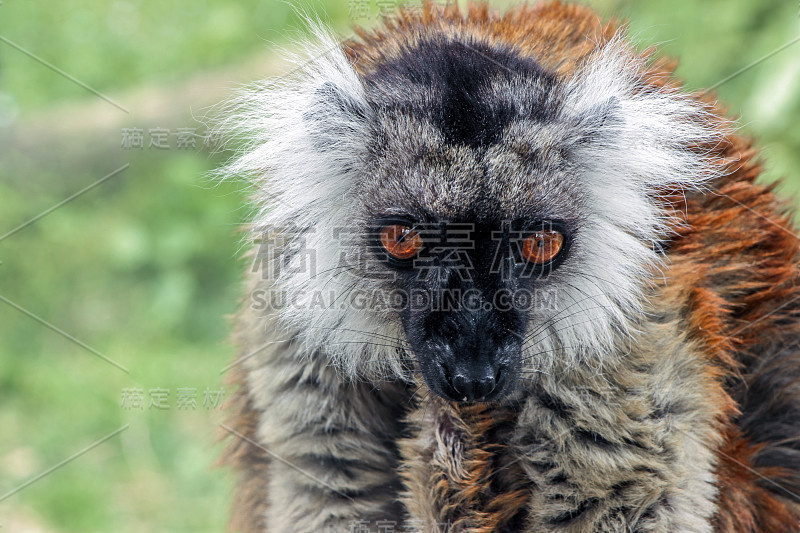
(458,211)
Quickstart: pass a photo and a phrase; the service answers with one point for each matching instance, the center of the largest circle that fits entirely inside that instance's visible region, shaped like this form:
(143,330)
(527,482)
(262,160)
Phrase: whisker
(573,304)
(558,330)
(366,343)
(557,349)
(550,322)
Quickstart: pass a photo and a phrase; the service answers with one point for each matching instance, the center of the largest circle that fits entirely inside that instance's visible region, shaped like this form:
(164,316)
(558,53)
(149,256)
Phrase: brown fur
(477,486)
(250,462)
(744,505)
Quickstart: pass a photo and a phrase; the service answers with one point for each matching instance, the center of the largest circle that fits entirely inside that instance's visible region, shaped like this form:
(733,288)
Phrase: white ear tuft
(301,136)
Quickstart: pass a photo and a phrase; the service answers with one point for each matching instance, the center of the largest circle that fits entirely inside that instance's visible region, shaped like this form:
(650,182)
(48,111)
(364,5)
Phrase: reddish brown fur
(250,462)
(745,506)
(480,487)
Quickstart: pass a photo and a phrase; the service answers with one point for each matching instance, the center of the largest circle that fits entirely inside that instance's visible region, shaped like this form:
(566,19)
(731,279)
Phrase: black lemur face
(467,289)
(454,190)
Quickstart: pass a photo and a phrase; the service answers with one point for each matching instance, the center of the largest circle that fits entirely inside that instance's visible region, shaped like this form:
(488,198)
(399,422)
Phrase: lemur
(511,277)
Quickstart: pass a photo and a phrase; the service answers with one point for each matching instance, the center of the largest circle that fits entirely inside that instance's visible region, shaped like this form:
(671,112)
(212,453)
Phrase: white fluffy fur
(643,150)
(300,185)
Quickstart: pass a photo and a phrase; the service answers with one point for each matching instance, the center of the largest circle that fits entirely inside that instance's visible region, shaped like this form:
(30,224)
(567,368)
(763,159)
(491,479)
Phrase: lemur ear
(650,136)
(334,117)
(301,135)
(593,124)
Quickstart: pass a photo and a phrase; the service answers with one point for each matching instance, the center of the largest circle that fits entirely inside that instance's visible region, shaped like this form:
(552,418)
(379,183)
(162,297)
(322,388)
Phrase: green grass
(113,45)
(144,267)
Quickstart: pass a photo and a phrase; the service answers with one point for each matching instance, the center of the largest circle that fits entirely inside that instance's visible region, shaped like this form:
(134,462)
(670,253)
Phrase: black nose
(471,384)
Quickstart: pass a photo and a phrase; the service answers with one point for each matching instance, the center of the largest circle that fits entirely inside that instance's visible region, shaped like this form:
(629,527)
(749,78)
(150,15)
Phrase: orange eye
(542,246)
(400,242)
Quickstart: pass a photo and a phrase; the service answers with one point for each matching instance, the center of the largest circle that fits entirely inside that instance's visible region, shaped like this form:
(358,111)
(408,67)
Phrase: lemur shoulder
(651,383)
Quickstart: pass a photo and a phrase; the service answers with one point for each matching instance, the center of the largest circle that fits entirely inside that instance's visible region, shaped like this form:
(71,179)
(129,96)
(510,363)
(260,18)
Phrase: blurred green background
(143,267)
